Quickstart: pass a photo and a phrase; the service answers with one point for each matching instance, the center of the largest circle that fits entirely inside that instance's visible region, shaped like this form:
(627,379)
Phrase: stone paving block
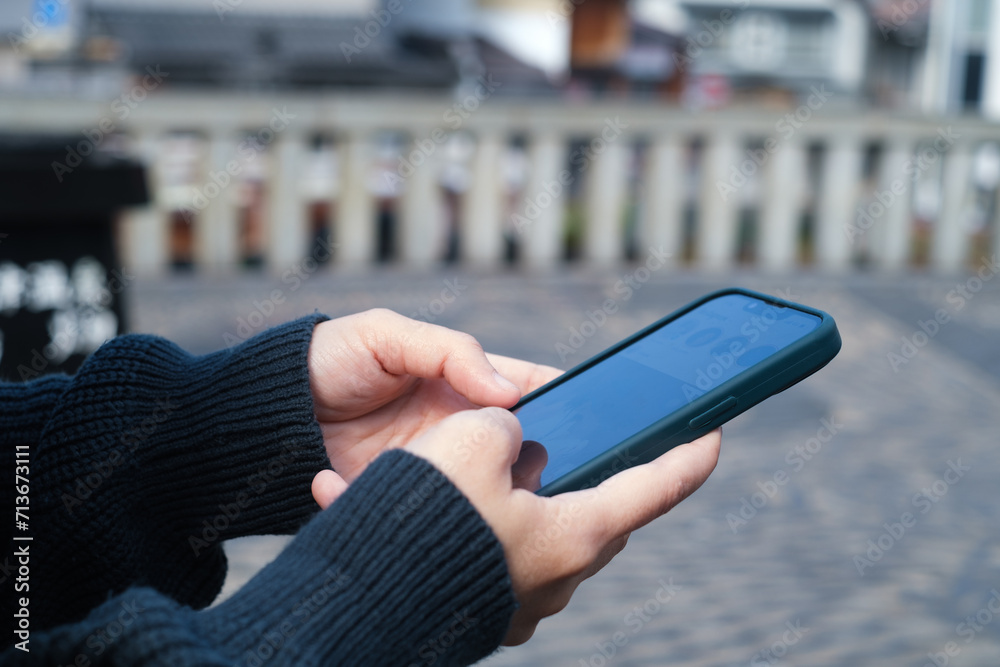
(898,431)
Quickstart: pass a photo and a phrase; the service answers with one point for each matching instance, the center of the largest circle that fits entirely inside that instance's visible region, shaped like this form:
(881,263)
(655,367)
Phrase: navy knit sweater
(145,462)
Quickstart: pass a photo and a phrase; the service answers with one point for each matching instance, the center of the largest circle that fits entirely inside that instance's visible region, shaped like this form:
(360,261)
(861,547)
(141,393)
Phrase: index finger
(403,346)
(634,497)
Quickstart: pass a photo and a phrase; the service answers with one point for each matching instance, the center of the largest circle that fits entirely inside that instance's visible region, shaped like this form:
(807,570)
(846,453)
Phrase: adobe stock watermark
(924,502)
(274,639)
(792,635)
(438,477)
(581,158)
(563,12)
(246,152)
(102,639)
(223,7)
(257,483)
(545,541)
(900,14)
(927,329)
(111,461)
(634,621)
(120,109)
(796,458)
(625,287)
(727,354)
(365,34)
(785,127)
(968,630)
(263,308)
(452,119)
(452,289)
(431,650)
(48,13)
(887,198)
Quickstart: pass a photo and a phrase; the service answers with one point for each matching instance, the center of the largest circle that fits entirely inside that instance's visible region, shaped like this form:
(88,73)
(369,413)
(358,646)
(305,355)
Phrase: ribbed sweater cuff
(27,406)
(400,570)
(225,444)
(24,409)
(250,437)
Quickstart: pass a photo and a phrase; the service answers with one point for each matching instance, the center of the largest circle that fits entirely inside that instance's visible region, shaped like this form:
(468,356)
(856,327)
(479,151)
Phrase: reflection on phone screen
(659,373)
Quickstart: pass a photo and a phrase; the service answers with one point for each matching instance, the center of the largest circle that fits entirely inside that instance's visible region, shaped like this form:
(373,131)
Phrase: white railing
(813,186)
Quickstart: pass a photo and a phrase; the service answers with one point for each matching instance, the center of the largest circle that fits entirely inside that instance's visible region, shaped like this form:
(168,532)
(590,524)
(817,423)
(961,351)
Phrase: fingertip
(487,388)
(712,440)
(504,383)
(509,393)
(327,486)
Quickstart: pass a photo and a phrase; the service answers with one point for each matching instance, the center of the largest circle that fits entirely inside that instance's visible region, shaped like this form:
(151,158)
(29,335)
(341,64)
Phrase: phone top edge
(826,322)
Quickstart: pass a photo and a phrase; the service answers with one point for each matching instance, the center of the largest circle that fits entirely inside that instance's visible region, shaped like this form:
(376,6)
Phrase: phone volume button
(709,415)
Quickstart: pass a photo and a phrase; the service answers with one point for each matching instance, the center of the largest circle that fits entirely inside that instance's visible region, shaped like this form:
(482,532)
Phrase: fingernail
(503,382)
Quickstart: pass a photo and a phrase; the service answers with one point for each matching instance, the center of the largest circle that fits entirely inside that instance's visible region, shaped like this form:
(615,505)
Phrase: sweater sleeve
(400,570)
(149,458)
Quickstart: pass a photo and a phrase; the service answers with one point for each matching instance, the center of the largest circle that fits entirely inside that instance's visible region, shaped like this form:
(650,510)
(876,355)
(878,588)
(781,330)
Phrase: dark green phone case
(773,375)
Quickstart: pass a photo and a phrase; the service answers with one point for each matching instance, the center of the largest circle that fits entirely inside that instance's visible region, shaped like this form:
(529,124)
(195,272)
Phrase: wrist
(394,561)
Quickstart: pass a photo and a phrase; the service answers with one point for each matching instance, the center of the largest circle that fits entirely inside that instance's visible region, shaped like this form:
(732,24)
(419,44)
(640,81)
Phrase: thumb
(327,487)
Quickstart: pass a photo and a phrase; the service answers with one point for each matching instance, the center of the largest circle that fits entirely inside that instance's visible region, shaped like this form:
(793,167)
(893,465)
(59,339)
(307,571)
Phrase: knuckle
(467,341)
(373,323)
(501,423)
(478,427)
(381,312)
(377,315)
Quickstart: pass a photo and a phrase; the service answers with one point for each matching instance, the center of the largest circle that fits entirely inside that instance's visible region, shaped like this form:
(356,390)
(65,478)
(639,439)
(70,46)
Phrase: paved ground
(792,564)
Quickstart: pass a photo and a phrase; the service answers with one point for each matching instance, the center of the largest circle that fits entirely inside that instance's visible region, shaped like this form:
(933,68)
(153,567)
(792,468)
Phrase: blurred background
(203,169)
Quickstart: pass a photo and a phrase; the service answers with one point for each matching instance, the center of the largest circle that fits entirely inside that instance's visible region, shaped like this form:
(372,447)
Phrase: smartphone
(671,383)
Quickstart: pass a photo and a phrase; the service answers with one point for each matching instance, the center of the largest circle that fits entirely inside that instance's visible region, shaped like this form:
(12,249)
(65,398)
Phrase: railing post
(216,228)
(891,243)
(482,206)
(539,219)
(664,196)
(716,231)
(784,185)
(146,246)
(287,234)
(355,217)
(838,202)
(950,239)
(605,202)
(421,213)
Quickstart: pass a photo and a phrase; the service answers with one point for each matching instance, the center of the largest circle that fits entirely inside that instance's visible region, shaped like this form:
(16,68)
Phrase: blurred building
(250,44)
(763,48)
(932,55)
(936,57)
(593,146)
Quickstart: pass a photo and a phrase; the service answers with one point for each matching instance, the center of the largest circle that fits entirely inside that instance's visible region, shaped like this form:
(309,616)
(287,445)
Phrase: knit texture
(148,459)
(400,571)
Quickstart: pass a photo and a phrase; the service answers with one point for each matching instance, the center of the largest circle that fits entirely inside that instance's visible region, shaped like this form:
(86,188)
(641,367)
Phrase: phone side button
(709,415)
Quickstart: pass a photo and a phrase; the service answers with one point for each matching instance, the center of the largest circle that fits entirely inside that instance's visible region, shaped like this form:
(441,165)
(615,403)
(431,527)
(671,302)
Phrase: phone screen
(659,373)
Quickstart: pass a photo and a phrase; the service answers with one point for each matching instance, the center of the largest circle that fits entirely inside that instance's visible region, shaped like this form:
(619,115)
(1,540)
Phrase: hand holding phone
(552,544)
(670,383)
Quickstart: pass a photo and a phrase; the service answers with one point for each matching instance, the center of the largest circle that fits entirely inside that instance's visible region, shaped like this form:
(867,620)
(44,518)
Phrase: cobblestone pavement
(786,586)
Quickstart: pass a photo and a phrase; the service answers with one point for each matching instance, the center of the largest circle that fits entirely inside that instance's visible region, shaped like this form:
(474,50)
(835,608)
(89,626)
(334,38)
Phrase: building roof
(280,50)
